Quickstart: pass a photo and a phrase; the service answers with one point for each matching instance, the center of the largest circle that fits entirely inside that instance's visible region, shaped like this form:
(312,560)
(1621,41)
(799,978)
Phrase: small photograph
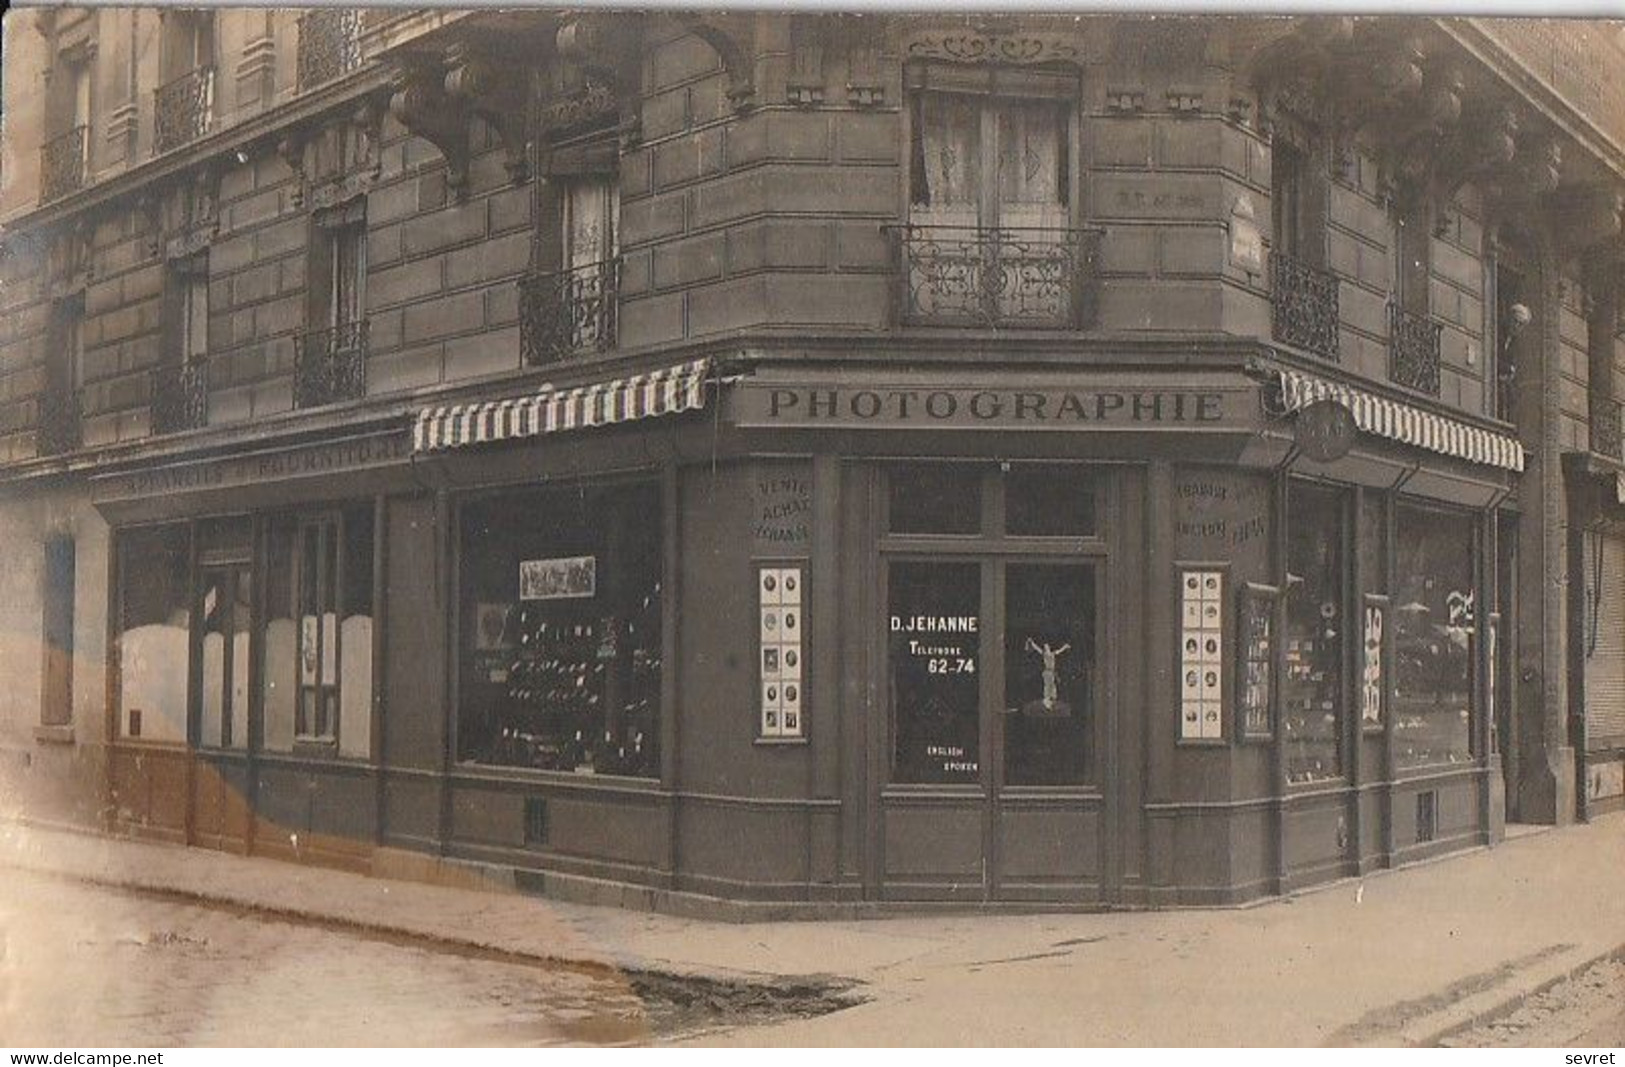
(567,578)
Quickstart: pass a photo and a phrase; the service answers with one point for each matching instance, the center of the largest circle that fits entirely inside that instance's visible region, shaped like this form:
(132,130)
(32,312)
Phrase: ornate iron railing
(329,44)
(60,427)
(1005,277)
(62,163)
(180,396)
(1303,306)
(330,365)
(184,109)
(1413,350)
(1606,435)
(562,313)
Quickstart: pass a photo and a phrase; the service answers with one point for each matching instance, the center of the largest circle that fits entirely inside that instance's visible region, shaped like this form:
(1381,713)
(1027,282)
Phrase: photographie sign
(566,578)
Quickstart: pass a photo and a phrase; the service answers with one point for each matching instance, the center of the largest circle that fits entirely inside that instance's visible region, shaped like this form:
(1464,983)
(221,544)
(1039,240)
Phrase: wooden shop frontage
(775,629)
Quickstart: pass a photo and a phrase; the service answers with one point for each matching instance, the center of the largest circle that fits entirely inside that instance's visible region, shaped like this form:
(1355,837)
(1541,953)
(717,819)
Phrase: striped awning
(548,410)
(1403,423)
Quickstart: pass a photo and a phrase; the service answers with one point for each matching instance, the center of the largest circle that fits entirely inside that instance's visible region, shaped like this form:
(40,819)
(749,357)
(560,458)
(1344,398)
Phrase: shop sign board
(1078,404)
(1325,431)
(239,471)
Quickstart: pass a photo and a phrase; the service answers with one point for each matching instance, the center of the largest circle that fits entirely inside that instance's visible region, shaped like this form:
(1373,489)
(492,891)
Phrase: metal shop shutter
(1605,642)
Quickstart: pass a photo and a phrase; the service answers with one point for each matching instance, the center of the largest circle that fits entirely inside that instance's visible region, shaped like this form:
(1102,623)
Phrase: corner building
(768,463)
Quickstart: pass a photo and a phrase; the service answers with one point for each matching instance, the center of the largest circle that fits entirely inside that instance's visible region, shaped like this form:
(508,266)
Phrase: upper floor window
(180,381)
(329,44)
(330,364)
(184,102)
(568,304)
(1413,343)
(65,155)
(1303,295)
(59,428)
(990,238)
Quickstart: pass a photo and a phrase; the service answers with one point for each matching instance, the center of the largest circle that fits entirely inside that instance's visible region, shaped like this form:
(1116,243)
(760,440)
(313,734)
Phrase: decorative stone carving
(424,107)
(606,46)
(969,46)
(500,95)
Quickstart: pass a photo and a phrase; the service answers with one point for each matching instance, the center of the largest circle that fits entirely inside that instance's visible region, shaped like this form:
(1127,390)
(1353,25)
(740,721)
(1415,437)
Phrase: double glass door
(993,674)
(996,698)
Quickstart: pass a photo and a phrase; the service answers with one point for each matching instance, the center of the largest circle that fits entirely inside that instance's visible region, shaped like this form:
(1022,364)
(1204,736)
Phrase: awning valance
(1404,423)
(637,396)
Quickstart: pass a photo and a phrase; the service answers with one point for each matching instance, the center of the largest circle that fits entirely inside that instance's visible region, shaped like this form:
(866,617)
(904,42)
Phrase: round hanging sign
(1324,430)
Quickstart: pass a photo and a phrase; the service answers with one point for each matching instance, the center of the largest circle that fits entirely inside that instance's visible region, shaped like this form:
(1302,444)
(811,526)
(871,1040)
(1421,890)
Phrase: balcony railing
(180,396)
(60,428)
(62,163)
(1606,428)
(329,44)
(184,109)
(563,313)
(1413,350)
(993,277)
(330,365)
(1303,306)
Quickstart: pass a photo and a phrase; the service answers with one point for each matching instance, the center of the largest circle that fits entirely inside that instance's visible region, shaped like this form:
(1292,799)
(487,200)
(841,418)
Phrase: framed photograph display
(1201,655)
(1255,661)
(781,651)
(1373,679)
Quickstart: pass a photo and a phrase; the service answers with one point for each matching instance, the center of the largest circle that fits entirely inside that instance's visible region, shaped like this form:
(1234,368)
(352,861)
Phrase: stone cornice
(256,135)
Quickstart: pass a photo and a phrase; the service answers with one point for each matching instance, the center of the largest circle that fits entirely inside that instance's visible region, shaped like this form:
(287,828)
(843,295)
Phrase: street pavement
(1401,957)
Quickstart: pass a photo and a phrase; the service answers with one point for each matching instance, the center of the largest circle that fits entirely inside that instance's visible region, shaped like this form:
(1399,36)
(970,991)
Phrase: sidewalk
(1397,958)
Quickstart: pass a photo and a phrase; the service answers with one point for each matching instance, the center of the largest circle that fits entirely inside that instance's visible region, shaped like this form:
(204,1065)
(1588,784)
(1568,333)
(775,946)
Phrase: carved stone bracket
(500,95)
(291,149)
(424,107)
(1591,218)
(731,36)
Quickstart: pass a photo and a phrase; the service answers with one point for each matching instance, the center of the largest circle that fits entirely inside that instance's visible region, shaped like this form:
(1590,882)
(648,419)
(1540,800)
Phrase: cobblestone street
(91,966)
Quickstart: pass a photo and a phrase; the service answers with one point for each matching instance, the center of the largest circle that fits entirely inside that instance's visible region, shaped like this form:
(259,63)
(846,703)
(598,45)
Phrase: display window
(154,632)
(1433,615)
(1312,694)
(560,630)
(935,498)
(318,631)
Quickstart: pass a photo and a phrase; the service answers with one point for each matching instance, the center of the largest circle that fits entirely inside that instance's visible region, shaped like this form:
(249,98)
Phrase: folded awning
(1404,423)
(638,396)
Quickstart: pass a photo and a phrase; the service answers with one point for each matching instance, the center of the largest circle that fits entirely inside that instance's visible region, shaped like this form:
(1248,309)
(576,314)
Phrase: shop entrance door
(219,686)
(993,685)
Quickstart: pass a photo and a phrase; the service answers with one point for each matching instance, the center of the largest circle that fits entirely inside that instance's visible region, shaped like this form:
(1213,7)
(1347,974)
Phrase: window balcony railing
(180,396)
(330,365)
(995,277)
(1413,350)
(60,428)
(564,313)
(62,163)
(1606,437)
(329,44)
(184,109)
(1303,306)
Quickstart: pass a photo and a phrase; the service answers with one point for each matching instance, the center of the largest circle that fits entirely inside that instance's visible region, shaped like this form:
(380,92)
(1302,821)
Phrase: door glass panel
(935,498)
(215,608)
(1049,500)
(1049,668)
(935,650)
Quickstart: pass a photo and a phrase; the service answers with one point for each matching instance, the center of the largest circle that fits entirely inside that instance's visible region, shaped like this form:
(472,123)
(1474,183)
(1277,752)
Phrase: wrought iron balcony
(1605,427)
(184,109)
(1413,350)
(329,44)
(330,365)
(1303,306)
(563,313)
(993,277)
(180,396)
(62,163)
(60,427)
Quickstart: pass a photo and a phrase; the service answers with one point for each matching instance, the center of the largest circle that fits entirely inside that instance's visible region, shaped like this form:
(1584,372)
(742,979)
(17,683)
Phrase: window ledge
(54,735)
(778,742)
